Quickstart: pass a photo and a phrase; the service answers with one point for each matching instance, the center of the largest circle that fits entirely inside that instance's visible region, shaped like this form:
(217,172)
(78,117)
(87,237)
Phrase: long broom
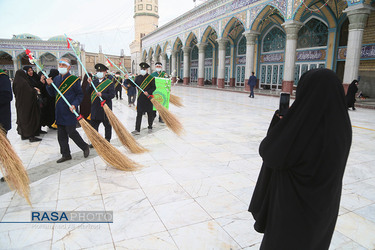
(105,150)
(170,120)
(12,168)
(124,136)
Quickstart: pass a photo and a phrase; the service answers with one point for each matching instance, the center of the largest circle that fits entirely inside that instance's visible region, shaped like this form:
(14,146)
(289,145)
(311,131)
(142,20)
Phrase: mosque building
(220,42)
(13,56)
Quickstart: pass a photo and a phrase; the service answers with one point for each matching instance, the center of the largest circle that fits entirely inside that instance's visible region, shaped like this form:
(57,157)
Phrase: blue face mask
(100,75)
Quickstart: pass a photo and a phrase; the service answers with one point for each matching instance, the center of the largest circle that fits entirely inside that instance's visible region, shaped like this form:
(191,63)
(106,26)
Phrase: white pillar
(164,61)
(186,65)
(291,28)
(358,15)
(251,36)
(221,67)
(201,58)
(174,64)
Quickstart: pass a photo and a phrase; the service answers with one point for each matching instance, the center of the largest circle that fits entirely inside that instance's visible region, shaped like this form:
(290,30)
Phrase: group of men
(70,86)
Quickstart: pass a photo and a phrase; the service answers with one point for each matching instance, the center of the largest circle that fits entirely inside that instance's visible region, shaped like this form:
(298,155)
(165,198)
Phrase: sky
(108,23)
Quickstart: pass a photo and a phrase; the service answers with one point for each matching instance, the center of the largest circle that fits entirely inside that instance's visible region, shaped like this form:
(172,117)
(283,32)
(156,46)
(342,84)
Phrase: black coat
(297,196)
(350,95)
(97,111)
(143,103)
(5,98)
(131,87)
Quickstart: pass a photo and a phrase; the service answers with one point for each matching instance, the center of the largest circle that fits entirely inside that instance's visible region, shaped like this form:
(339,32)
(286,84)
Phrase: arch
(314,33)
(166,46)
(269,14)
(150,52)
(177,45)
(191,40)
(275,39)
(158,50)
(144,55)
(209,35)
(233,29)
(48,55)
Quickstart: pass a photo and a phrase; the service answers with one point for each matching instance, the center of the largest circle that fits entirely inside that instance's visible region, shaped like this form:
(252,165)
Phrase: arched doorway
(48,62)
(6,63)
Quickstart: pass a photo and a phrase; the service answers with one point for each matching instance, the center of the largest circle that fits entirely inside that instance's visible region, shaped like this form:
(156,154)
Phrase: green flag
(162,92)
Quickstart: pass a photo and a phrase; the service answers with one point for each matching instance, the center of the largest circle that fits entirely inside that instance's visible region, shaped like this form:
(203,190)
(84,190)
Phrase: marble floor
(192,192)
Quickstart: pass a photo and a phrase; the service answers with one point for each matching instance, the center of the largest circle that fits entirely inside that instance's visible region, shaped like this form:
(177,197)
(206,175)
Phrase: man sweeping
(66,121)
(106,91)
(147,84)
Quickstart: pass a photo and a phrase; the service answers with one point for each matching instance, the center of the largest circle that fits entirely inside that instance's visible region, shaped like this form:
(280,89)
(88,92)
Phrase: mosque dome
(26,36)
(60,38)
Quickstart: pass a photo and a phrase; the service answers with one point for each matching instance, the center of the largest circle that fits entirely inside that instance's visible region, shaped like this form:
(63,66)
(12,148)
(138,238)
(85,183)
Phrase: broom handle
(79,60)
(57,90)
(127,73)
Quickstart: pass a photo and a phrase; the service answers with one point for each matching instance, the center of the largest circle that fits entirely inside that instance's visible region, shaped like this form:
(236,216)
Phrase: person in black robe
(132,92)
(47,112)
(117,80)
(85,107)
(350,95)
(27,107)
(35,82)
(144,105)
(297,196)
(5,98)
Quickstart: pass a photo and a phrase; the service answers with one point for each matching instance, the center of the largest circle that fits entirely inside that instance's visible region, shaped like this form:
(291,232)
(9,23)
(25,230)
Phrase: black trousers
(107,127)
(117,91)
(131,99)
(63,135)
(150,115)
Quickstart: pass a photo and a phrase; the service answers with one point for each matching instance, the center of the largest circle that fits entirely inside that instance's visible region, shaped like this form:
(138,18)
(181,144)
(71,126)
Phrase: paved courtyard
(192,192)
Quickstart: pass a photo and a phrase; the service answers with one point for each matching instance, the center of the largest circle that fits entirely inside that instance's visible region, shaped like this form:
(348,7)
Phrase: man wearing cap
(106,91)
(147,83)
(66,121)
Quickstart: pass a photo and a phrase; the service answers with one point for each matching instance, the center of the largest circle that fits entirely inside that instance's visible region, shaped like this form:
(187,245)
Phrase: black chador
(297,196)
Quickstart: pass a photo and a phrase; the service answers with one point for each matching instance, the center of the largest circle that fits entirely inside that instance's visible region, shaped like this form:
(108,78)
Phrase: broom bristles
(124,136)
(175,100)
(12,168)
(170,120)
(107,151)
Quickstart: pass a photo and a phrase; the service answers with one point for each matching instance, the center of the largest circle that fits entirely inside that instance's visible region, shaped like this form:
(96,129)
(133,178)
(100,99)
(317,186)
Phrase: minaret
(146,20)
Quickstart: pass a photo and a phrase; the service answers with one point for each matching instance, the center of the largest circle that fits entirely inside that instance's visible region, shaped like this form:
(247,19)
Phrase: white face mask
(158,69)
(100,75)
(143,72)
(63,71)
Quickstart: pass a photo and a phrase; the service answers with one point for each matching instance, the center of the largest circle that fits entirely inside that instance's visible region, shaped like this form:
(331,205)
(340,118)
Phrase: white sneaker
(136,132)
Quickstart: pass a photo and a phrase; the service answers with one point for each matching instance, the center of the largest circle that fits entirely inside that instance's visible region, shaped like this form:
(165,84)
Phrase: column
(221,67)
(358,15)
(201,58)
(164,61)
(186,65)
(251,36)
(174,64)
(291,28)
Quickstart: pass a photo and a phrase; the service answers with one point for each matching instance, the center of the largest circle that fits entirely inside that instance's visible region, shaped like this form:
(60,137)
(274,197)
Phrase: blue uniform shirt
(97,112)
(74,95)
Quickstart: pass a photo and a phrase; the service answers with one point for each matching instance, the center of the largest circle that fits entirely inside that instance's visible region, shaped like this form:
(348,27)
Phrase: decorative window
(194,53)
(242,46)
(209,51)
(148,7)
(227,50)
(274,40)
(313,34)
(140,7)
(156,8)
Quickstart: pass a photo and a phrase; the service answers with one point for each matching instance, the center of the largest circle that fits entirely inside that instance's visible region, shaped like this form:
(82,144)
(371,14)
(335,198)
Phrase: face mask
(63,71)
(158,69)
(100,75)
(143,72)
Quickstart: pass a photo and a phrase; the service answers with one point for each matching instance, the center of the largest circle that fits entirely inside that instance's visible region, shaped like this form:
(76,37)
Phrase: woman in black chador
(297,196)
(350,95)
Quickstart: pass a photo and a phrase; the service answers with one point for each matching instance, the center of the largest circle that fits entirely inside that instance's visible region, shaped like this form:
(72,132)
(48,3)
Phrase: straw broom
(125,137)
(105,150)
(170,120)
(175,100)
(12,168)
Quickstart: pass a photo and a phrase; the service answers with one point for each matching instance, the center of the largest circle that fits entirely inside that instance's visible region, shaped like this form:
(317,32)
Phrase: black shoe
(353,108)
(64,158)
(86,152)
(2,179)
(24,138)
(161,121)
(42,132)
(34,139)
(91,146)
